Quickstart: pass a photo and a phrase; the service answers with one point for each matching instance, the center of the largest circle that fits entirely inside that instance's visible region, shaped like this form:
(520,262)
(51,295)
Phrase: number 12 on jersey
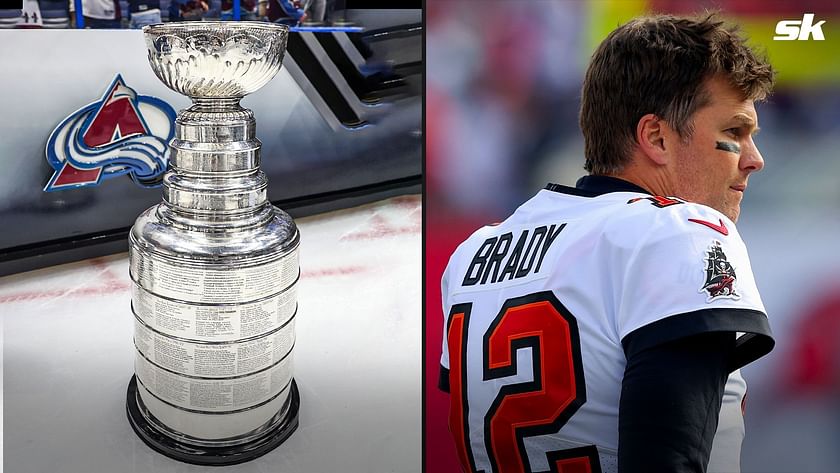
(541,406)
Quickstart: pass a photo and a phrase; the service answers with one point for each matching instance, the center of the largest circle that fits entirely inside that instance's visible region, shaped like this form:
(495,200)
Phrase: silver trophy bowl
(214,58)
(214,266)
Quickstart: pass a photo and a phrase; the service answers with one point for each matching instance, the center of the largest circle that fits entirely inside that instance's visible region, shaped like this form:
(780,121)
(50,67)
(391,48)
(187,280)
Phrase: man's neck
(654,180)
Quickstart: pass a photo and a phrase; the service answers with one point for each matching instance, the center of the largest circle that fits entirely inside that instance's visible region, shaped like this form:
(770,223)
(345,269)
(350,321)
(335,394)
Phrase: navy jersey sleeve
(682,379)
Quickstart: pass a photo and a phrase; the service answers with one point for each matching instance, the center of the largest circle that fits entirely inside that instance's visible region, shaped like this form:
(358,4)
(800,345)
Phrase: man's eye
(734,132)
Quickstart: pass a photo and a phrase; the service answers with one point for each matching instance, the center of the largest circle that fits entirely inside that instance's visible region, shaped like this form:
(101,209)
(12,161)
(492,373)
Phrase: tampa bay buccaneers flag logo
(123,133)
(720,275)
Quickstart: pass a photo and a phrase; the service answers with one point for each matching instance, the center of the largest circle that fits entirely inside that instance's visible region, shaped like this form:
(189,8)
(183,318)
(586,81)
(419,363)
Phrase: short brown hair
(658,65)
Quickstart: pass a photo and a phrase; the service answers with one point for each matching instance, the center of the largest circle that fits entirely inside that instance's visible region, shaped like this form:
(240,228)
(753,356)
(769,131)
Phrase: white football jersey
(537,307)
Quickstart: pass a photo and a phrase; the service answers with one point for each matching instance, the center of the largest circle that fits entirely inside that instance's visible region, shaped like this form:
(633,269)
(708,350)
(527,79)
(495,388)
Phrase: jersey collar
(593,186)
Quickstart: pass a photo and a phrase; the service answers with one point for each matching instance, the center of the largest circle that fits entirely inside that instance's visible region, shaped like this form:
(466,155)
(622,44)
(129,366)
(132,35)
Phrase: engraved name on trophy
(214,265)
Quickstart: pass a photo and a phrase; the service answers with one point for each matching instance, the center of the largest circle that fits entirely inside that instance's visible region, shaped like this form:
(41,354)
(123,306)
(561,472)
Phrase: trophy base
(204,455)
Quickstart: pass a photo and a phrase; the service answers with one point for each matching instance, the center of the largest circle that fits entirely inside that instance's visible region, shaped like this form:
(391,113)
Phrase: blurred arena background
(341,122)
(502,96)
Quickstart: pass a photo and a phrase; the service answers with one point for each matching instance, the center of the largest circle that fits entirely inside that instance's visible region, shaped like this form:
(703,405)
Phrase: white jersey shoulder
(677,258)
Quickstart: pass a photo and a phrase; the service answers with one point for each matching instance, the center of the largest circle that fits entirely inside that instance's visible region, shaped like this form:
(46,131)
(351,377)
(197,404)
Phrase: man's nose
(751,158)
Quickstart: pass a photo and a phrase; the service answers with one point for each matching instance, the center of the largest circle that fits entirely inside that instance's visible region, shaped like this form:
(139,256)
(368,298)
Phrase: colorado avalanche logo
(123,133)
(720,275)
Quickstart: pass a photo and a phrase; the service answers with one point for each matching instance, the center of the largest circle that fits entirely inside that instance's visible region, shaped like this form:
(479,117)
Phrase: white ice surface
(68,356)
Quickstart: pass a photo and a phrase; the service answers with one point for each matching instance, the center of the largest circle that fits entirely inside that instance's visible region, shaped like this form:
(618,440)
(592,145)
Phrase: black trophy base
(213,456)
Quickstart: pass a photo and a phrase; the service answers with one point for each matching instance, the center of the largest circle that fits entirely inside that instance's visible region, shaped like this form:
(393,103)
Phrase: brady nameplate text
(498,259)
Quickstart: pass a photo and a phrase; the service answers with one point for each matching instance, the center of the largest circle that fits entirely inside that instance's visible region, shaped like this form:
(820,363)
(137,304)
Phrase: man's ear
(651,134)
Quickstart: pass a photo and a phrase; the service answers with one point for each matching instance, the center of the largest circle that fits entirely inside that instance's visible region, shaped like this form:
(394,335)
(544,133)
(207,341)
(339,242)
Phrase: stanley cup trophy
(214,265)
